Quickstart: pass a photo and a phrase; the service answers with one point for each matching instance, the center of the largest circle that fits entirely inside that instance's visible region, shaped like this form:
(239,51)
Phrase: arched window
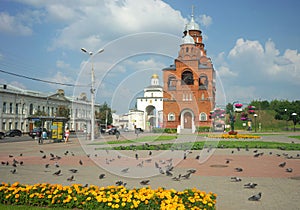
(187,78)
(203,81)
(171,116)
(172,83)
(203,116)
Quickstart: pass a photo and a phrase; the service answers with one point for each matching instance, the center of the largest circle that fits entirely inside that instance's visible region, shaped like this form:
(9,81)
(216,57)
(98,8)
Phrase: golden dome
(154,76)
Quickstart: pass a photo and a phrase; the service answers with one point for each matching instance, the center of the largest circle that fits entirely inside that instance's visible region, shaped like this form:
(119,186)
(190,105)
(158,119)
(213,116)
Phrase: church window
(172,83)
(203,116)
(203,82)
(187,49)
(187,78)
(171,116)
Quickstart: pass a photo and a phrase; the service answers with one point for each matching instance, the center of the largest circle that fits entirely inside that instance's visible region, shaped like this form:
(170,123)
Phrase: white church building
(149,109)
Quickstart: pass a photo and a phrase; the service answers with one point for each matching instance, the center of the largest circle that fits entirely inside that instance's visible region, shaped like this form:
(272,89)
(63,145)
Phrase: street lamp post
(294,115)
(255,116)
(91,54)
(286,121)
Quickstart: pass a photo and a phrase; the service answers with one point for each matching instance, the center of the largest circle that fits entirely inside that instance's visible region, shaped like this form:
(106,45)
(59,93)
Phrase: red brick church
(189,84)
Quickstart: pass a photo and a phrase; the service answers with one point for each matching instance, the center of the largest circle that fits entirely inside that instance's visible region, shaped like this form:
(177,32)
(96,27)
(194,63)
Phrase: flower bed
(111,197)
(237,136)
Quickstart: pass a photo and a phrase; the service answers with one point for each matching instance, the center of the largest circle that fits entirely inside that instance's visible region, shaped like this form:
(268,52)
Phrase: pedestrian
(67,134)
(117,134)
(39,136)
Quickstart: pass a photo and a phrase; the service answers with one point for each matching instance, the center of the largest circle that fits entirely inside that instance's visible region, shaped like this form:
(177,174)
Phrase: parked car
(113,131)
(38,132)
(13,133)
(2,135)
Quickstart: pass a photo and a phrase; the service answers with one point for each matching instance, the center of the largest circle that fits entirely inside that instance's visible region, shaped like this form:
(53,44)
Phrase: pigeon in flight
(255,197)
(177,178)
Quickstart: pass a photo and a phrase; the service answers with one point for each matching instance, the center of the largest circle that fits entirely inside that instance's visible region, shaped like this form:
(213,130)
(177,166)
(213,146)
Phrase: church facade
(189,84)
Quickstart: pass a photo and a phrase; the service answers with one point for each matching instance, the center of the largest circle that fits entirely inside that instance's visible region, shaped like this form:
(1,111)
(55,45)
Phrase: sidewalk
(280,190)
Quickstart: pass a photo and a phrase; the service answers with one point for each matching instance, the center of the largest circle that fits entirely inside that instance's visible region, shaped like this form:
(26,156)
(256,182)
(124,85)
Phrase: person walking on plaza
(67,134)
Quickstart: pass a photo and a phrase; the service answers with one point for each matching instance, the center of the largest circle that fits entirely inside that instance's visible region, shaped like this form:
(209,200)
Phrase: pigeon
(144,182)
(57,173)
(56,165)
(177,178)
(168,173)
(73,170)
(256,155)
(21,154)
(227,161)
(119,183)
(52,155)
(47,165)
(70,178)
(186,176)
(197,157)
(192,171)
(250,185)
(13,171)
(44,156)
(282,164)
(21,163)
(101,176)
(14,165)
(141,164)
(255,197)
(80,162)
(161,171)
(290,170)
(238,169)
(125,170)
(184,156)
(150,153)
(41,151)
(255,151)
(10,156)
(236,179)
(136,156)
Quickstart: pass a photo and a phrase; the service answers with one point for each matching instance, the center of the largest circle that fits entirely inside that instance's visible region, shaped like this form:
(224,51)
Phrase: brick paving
(280,189)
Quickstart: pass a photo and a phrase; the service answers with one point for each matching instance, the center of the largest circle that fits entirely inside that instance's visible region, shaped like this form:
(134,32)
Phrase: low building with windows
(17,105)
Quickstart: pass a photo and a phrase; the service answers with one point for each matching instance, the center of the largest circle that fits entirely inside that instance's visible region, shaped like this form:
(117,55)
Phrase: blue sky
(254,46)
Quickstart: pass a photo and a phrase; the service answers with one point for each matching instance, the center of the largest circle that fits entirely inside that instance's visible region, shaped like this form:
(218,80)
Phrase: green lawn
(201,144)
(140,139)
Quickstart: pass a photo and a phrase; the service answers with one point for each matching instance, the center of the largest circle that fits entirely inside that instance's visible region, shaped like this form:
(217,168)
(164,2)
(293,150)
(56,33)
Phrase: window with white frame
(203,116)
(171,116)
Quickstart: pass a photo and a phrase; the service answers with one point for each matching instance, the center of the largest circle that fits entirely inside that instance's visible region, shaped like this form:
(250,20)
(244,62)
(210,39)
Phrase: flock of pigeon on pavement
(164,167)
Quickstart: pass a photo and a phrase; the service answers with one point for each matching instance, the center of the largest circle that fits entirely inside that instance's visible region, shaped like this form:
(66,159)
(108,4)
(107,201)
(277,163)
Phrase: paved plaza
(214,169)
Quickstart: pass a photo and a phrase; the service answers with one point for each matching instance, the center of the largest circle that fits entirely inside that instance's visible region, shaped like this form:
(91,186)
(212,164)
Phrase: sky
(254,46)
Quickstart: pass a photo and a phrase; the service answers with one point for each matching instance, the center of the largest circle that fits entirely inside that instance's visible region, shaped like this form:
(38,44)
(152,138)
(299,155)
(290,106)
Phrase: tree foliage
(105,113)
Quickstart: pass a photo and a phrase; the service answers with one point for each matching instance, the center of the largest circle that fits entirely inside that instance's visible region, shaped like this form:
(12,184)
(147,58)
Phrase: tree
(105,114)
(63,111)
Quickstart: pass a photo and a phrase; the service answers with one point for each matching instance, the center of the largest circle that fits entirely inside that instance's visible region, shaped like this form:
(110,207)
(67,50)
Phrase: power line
(41,80)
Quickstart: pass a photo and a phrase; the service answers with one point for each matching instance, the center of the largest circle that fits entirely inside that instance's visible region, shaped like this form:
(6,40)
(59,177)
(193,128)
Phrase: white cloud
(205,20)
(253,71)
(62,65)
(12,25)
